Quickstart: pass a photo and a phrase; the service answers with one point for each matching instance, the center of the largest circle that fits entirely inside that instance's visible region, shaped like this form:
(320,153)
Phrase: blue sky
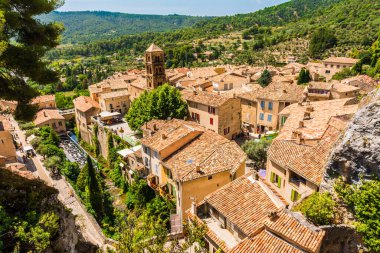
(185,7)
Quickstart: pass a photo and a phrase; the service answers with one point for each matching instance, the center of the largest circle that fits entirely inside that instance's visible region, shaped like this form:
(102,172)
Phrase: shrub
(318,208)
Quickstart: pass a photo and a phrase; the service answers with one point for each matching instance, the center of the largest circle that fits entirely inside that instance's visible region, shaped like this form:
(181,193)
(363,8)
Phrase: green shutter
(279,182)
(292,195)
(271,177)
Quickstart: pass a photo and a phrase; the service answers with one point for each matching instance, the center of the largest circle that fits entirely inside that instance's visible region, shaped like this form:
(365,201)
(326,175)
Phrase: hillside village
(198,162)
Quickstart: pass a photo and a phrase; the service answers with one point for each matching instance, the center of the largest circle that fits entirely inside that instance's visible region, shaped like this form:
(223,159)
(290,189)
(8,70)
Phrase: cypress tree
(94,190)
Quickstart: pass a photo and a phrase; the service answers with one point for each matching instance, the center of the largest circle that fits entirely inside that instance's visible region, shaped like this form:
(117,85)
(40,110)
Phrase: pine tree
(23,42)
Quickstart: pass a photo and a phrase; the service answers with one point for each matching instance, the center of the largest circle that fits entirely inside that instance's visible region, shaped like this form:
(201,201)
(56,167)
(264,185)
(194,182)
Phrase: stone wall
(341,239)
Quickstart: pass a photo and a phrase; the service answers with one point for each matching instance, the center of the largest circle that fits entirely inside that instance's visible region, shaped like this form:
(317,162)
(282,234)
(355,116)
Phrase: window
(262,104)
(275,179)
(60,123)
(146,162)
(261,116)
(211,121)
(270,106)
(295,196)
(327,71)
(54,125)
(269,118)
(226,131)
(195,116)
(147,150)
(155,154)
(211,110)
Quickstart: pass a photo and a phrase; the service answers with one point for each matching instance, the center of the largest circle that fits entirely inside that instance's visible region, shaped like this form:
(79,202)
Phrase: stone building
(333,65)
(246,216)
(44,102)
(218,113)
(154,76)
(85,108)
(261,108)
(116,101)
(297,158)
(186,161)
(51,118)
(7,147)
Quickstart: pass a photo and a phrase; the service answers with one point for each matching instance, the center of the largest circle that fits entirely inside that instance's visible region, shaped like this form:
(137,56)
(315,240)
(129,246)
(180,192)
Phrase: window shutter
(271,177)
(292,196)
(279,182)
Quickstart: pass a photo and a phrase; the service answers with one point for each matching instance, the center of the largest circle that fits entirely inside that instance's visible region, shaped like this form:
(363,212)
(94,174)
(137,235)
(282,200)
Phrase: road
(89,228)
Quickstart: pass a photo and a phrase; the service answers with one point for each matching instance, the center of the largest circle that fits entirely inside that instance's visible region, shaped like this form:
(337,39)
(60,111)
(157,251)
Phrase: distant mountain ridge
(88,26)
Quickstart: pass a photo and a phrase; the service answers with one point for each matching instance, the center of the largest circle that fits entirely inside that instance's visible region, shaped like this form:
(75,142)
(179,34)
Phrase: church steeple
(155,66)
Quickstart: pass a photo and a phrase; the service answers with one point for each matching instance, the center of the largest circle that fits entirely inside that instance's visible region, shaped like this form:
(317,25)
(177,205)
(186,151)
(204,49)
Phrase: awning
(108,115)
(28,148)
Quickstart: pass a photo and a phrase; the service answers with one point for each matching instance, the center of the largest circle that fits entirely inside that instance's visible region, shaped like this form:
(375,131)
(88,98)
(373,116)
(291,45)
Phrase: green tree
(321,40)
(94,191)
(23,42)
(139,194)
(265,78)
(304,76)
(364,199)
(161,103)
(71,170)
(257,151)
(318,208)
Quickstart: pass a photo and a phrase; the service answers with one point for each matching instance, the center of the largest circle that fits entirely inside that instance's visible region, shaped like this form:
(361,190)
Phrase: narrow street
(87,224)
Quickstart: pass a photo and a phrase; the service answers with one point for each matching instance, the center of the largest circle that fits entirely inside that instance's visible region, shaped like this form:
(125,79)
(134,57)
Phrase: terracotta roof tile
(265,242)
(46,115)
(203,97)
(243,202)
(85,104)
(343,60)
(296,231)
(43,99)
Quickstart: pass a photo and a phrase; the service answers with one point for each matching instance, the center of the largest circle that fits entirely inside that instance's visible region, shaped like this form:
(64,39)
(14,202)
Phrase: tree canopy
(321,40)
(257,151)
(24,40)
(161,103)
(304,76)
(265,78)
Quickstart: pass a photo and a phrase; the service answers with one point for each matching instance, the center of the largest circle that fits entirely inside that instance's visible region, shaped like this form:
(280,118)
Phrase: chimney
(45,114)
(154,127)
(194,92)
(299,103)
(163,137)
(273,216)
(301,124)
(308,102)
(299,139)
(284,91)
(310,108)
(306,116)
(198,168)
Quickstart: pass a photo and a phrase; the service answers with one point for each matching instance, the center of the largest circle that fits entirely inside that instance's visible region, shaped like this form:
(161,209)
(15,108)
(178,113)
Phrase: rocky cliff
(358,154)
(21,193)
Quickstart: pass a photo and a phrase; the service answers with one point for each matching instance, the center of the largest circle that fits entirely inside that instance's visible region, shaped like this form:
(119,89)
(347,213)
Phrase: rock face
(19,191)
(341,239)
(358,154)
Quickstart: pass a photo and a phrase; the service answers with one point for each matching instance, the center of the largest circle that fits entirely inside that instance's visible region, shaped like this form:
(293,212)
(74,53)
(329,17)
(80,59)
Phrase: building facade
(85,108)
(214,112)
(51,118)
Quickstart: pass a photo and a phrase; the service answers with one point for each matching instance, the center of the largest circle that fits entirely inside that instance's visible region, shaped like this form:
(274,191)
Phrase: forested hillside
(354,21)
(256,38)
(87,26)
